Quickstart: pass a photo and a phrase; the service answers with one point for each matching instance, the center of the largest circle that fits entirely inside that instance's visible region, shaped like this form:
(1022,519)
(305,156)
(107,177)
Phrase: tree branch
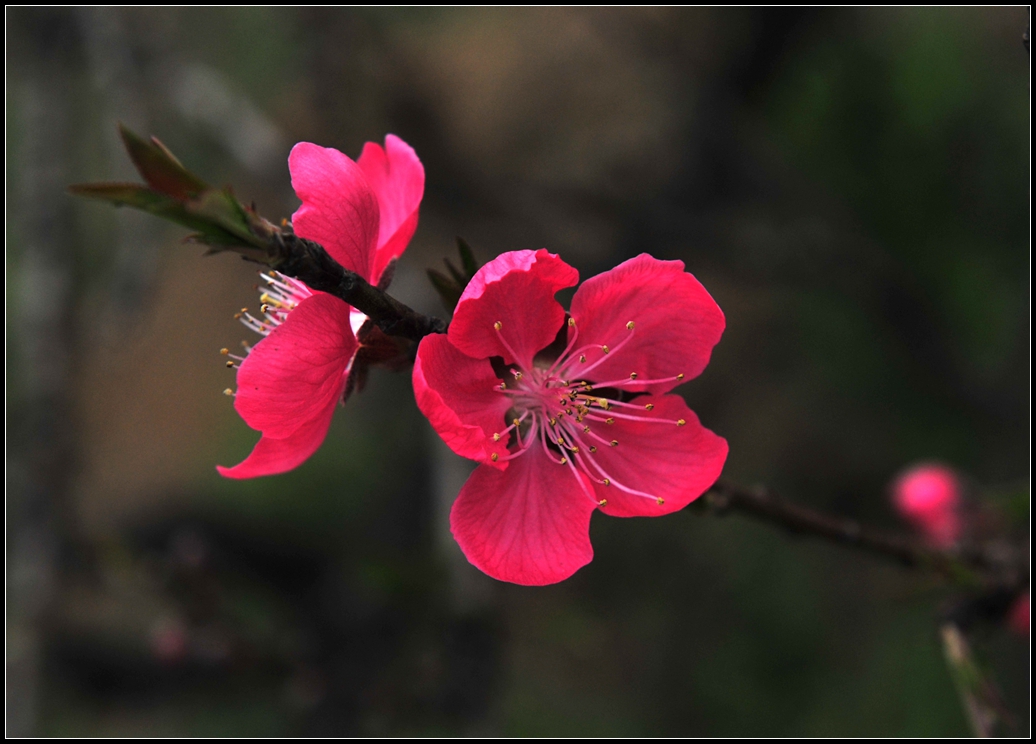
(976,565)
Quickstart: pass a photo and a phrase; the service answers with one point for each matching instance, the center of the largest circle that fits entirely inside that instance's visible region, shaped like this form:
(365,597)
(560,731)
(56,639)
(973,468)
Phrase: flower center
(280,296)
(561,409)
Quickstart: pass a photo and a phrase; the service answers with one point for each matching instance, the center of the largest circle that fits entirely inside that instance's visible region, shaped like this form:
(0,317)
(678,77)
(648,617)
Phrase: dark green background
(851,186)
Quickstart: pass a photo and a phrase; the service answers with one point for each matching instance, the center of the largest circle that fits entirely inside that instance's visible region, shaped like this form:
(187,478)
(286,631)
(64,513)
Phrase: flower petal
(529,524)
(293,375)
(676,322)
(674,463)
(339,210)
(458,395)
(272,456)
(517,290)
(396,177)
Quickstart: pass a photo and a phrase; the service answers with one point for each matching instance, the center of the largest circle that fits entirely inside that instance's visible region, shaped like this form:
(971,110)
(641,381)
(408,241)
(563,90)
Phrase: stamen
(228,391)
(630,325)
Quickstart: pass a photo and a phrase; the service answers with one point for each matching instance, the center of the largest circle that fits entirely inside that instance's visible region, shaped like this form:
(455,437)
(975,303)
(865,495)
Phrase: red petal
(517,290)
(676,321)
(675,463)
(458,395)
(529,524)
(271,456)
(339,210)
(397,178)
(293,375)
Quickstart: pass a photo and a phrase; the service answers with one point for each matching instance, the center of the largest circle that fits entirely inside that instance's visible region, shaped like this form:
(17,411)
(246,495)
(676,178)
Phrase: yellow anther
(582,358)
(494,457)
(553,422)
(563,461)
(603,403)
(603,502)
(230,362)
(496,437)
(264,308)
(517,375)
(568,411)
(244,309)
(660,501)
(228,391)
(649,407)
(571,322)
(629,326)
(272,273)
(586,429)
(516,421)
(284,223)
(614,443)
(498,325)
(592,449)
(633,375)
(224,351)
(609,420)
(607,482)
(237,316)
(574,449)
(604,349)
(679,376)
(503,386)
(263,327)
(680,422)
(264,297)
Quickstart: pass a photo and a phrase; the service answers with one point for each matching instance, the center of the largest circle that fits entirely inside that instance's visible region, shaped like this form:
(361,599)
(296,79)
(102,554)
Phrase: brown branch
(979,565)
(310,263)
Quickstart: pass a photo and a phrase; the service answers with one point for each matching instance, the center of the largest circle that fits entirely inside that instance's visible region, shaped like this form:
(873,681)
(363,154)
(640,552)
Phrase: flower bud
(928,496)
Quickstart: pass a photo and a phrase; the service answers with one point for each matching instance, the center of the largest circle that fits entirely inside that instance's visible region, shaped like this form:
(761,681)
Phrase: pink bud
(928,496)
(1018,615)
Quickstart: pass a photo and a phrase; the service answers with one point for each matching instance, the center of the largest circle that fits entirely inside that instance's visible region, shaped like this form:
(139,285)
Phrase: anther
(230,363)
(574,449)
(603,502)
(498,325)
(272,274)
(224,351)
(563,461)
(604,348)
(494,457)
(264,308)
(244,309)
(586,429)
(553,422)
(680,422)
(679,376)
(496,437)
(614,443)
(607,482)
(629,326)
(633,375)
(517,374)
(609,420)
(592,449)
(603,403)
(582,358)
(228,391)
(571,322)
(660,501)
(649,407)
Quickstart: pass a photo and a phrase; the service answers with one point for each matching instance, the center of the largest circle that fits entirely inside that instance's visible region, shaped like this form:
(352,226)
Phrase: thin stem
(972,567)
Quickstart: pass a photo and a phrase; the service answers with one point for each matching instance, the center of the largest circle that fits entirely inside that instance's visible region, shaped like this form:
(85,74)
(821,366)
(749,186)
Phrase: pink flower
(1018,615)
(568,417)
(928,496)
(364,214)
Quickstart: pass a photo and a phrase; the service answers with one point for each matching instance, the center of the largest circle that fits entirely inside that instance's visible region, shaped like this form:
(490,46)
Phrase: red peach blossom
(364,214)
(1018,615)
(928,496)
(563,433)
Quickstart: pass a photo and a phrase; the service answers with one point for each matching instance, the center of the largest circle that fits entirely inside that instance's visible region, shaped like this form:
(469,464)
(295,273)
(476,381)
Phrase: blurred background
(851,186)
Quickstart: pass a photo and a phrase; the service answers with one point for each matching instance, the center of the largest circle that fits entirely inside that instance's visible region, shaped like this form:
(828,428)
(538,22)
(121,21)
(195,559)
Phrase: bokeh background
(851,186)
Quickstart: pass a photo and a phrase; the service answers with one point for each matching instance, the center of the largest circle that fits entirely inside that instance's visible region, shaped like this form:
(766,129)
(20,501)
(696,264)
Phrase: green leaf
(467,257)
(448,290)
(160,168)
(458,277)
